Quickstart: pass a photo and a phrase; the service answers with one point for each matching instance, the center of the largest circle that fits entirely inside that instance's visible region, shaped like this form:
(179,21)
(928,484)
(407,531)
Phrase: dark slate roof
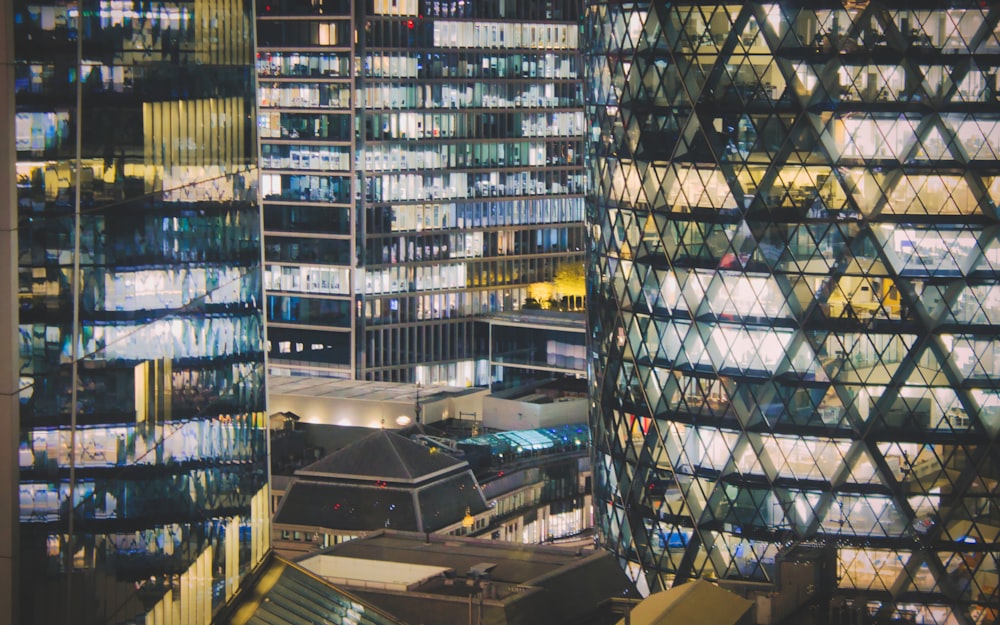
(362,508)
(444,502)
(330,437)
(383,455)
(285,593)
(347,507)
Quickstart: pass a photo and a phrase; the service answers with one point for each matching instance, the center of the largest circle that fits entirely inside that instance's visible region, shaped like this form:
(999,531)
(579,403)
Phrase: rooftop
(436,580)
(381,480)
(383,455)
(331,388)
(363,507)
(541,319)
(560,438)
(515,563)
(285,593)
(695,603)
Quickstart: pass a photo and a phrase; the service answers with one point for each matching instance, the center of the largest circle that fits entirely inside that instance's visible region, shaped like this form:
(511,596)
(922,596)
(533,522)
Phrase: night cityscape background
(500,311)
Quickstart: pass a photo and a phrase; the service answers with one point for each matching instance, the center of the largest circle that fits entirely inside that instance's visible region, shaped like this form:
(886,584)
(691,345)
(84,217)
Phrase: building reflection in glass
(143,450)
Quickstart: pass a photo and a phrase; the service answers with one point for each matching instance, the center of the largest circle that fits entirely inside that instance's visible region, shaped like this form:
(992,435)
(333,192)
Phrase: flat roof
(512,584)
(331,388)
(515,563)
(541,319)
(370,573)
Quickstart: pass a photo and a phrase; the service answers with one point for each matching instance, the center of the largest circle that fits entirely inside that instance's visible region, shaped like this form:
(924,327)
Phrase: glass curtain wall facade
(795,294)
(142,452)
(305,69)
(460,126)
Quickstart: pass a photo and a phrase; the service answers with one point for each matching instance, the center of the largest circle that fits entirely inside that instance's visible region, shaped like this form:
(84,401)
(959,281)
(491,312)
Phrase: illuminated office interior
(422,166)
(795,294)
(142,452)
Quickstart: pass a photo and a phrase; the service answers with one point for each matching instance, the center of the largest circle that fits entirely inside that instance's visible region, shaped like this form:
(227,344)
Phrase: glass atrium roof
(547,440)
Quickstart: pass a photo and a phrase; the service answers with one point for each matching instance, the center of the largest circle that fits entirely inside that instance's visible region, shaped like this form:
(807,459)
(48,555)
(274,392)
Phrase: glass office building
(422,165)
(795,294)
(142,449)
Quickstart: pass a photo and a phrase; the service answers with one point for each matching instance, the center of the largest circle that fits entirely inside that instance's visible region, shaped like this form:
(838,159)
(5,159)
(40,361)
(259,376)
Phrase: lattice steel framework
(795,288)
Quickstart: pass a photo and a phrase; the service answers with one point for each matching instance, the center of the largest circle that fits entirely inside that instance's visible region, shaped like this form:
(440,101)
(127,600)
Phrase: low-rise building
(535,483)
(383,480)
(561,401)
(447,580)
(371,404)
(538,482)
(283,592)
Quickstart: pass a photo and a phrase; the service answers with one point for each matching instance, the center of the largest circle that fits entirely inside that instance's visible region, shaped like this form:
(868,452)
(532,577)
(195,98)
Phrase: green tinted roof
(288,595)
(558,438)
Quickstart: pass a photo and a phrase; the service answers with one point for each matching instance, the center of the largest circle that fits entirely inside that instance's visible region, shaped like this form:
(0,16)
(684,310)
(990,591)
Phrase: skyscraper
(142,449)
(795,293)
(422,165)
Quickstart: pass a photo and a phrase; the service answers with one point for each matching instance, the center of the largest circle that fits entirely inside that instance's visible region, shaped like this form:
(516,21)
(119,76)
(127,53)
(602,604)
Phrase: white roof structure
(379,574)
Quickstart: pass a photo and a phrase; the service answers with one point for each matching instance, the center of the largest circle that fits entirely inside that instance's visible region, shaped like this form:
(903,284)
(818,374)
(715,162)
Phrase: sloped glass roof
(546,440)
(288,595)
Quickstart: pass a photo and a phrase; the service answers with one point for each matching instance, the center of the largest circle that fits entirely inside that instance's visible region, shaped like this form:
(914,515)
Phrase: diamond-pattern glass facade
(795,288)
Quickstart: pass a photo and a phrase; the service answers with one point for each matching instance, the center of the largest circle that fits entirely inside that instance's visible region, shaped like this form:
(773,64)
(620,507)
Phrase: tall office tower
(142,449)
(422,166)
(795,294)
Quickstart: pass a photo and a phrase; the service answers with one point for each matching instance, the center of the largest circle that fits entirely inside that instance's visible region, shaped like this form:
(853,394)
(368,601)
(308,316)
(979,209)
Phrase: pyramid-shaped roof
(365,507)
(383,456)
(348,507)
